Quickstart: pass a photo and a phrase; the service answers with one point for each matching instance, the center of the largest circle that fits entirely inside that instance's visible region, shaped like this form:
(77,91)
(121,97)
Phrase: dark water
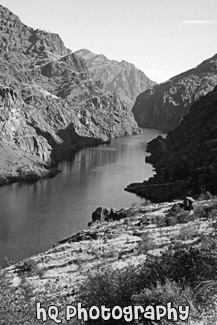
(35,216)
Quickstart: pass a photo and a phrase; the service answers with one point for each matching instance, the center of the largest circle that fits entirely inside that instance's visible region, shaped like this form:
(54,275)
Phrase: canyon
(49,103)
(186,161)
(54,102)
(164,105)
(117,240)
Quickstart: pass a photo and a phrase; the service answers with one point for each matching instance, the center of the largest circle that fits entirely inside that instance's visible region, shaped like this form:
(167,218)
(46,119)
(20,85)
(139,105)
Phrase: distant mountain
(186,161)
(165,104)
(49,103)
(120,77)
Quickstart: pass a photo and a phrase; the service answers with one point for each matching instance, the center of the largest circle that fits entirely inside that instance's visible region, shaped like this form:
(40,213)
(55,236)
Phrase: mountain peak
(122,77)
(49,103)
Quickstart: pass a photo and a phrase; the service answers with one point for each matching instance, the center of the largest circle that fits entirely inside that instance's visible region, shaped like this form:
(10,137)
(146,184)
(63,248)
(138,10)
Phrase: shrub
(109,288)
(117,287)
(205,196)
(146,244)
(189,267)
(16,306)
(163,294)
(205,211)
(28,267)
(175,277)
(188,231)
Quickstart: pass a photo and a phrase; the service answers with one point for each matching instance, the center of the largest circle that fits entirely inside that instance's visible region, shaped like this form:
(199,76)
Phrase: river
(33,217)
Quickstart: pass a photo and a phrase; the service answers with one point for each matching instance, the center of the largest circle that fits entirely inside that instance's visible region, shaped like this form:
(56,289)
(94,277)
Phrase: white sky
(161,37)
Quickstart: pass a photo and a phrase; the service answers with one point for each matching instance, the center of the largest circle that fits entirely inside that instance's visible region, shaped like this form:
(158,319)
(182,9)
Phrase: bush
(205,211)
(189,267)
(117,287)
(146,244)
(163,294)
(16,306)
(172,277)
(109,288)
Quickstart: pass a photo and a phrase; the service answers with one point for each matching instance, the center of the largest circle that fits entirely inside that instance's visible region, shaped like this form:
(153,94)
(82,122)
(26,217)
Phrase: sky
(161,37)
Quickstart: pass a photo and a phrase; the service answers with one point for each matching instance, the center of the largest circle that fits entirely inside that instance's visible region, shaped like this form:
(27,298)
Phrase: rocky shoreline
(29,177)
(186,161)
(24,168)
(159,192)
(115,240)
(154,252)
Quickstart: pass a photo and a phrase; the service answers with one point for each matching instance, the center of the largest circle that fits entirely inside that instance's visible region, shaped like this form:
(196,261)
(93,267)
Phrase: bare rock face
(120,77)
(49,103)
(165,104)
(186,161)
(105,214)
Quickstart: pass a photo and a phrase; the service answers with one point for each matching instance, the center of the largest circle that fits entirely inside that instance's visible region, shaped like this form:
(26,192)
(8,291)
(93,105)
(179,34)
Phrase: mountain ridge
(165,104)
(49,103)
(117,76)
(186,161)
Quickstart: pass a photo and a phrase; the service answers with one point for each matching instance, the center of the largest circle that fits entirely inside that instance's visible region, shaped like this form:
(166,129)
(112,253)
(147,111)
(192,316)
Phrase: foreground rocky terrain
(49,103)
(164,105)
(122,77)
(173,244)
(186,161)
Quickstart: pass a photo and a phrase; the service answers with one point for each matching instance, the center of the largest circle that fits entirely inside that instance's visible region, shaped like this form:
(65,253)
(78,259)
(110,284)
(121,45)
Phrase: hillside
(49,103)
(120,77)
(164,105)
(144,255)
(186,161)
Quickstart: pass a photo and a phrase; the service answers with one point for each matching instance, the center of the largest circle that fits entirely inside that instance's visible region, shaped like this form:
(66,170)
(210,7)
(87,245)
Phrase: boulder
(188,203)
(105,214)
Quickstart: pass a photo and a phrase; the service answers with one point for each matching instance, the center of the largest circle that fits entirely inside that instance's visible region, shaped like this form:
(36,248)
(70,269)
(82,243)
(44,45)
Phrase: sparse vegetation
(146,244)
(29,266)
(107,276)
(16,304)
(205,211)
(183,276)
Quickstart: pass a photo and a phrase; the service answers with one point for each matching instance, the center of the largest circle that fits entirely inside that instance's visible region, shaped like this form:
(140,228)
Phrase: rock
(158,192)
(105,214)
(100,214)
(186,161)
(80,236)
(164,231)
(188,203)
(164,105)
(50,105)
(120,77)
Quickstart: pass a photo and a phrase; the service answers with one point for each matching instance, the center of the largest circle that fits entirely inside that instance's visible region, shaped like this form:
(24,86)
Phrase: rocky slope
(186,161)
(120,77)
(49,103)
(114,240)
(165,104)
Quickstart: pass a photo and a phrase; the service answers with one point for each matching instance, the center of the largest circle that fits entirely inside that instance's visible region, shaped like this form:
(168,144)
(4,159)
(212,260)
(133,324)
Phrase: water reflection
(34,216)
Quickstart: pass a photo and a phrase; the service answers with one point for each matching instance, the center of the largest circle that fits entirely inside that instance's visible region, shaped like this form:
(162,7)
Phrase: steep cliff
(120,77)
(165,104)
(186,161)
(49,103)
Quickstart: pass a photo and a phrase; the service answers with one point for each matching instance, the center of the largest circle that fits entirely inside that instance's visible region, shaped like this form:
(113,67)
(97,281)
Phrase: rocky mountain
(120,77)
(165,104)
(186,161)
(49,103)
